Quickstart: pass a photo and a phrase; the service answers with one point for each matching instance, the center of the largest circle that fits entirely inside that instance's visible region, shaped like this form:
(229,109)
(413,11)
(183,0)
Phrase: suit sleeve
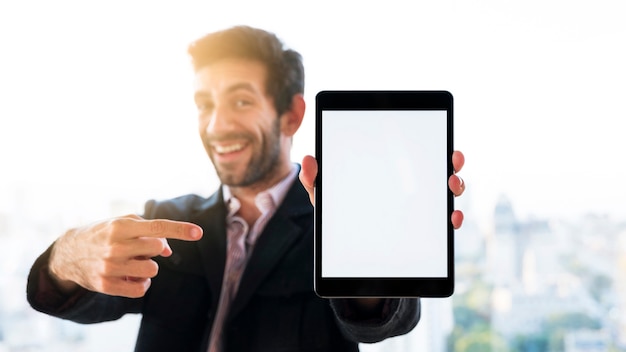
(398,316)
(82,306)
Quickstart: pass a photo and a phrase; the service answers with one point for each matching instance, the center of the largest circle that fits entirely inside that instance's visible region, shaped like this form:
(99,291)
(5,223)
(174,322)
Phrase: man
(236,273)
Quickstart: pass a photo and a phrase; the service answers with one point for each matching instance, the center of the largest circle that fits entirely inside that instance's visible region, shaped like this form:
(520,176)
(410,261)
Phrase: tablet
(382,202)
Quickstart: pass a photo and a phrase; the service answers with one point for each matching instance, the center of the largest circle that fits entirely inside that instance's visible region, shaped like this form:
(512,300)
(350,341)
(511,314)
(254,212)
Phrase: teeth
(222,149)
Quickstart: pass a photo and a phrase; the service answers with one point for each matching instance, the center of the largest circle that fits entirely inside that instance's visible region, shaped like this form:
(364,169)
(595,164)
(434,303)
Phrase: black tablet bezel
(382,287)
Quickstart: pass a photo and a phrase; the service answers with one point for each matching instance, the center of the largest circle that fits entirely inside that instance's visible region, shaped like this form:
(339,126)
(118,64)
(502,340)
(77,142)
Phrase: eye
(242,103)
(204,106)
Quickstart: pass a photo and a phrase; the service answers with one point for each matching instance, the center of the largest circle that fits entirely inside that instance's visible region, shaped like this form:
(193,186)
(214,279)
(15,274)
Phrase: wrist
(56,274)
(368,306)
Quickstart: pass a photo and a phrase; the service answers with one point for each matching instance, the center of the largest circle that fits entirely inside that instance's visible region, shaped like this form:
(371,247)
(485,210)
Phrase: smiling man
(243,134)
(232,272)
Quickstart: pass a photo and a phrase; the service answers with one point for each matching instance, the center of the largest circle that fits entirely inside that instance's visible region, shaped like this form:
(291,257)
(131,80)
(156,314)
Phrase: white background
(98,93)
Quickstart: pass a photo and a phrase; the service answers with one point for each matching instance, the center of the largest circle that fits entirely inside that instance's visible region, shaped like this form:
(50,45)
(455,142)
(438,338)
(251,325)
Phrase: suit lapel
(212,218)
(276,239)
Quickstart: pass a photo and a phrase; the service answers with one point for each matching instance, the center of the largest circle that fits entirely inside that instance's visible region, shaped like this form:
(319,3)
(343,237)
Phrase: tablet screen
(382,200)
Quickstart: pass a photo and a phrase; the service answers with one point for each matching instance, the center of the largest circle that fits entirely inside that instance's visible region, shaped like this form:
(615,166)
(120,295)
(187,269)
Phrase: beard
(262,165)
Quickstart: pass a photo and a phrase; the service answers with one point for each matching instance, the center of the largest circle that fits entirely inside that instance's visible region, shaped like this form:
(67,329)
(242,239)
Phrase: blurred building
(619,312)
(542,271)
(587,341)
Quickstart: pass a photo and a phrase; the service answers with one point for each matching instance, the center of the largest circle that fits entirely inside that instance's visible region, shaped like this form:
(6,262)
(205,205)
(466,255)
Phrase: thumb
(167,250)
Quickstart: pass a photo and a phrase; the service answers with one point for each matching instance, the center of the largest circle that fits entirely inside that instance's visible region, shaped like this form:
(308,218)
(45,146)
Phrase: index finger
(162,228)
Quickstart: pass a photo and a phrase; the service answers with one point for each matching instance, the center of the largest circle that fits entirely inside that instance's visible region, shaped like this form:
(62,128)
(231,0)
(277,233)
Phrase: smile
(225,149)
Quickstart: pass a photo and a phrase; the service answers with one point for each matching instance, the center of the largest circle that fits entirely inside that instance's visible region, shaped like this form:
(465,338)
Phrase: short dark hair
(285,71)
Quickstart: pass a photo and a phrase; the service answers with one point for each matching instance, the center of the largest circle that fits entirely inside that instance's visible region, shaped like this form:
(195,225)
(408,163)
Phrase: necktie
(236,258)
(238,234)
(235,262)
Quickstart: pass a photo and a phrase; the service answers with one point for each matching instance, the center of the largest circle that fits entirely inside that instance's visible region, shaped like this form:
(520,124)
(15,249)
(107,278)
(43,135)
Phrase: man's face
(238,123)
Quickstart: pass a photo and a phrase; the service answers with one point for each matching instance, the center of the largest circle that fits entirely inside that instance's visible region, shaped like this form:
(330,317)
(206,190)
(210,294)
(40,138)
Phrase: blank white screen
(384,194)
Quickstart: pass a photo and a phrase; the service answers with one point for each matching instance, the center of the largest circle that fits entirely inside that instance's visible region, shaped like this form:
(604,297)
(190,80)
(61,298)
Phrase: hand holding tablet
(382,202)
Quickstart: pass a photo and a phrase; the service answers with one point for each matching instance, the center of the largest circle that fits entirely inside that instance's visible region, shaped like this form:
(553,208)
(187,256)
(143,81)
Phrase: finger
(458,160)
(136,267)
(141,247)
(457,219)
(308,175)
(179,230)
(456,184)
(125,286)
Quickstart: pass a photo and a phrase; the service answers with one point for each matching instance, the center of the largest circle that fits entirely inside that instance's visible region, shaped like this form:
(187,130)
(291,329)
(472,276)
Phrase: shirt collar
(277,194)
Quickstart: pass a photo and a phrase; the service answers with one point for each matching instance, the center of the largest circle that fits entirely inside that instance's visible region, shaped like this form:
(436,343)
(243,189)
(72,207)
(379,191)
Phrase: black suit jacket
(275,309)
